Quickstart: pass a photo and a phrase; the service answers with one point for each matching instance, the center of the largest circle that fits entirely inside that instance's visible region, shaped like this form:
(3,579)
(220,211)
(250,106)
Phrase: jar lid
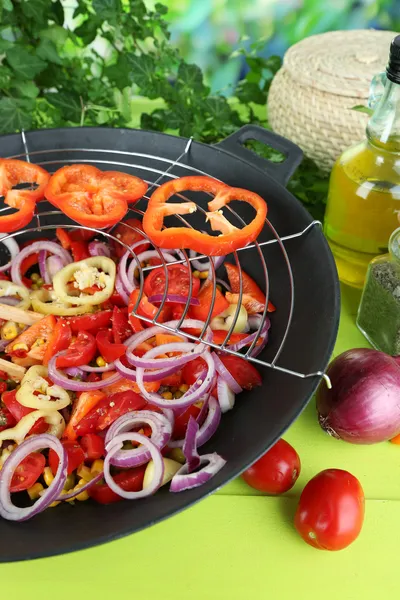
(340,62)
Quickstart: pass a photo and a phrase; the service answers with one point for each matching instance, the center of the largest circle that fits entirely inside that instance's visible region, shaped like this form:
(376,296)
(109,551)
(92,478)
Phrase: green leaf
(191,77)
(5,78)
(24,64)
(88,30)
(57,11)
(68,103)
(48,51)
(34,9)
(55,33)
(7,5)
(5,45)
(141,69)
(218,108)
(26,88)
(247,92)
(118,74)
(161,9)
(15,114)
(363,109)
(107,9)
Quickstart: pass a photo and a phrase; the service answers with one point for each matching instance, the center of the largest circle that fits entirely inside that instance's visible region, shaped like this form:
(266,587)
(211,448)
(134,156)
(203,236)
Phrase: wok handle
(282,171)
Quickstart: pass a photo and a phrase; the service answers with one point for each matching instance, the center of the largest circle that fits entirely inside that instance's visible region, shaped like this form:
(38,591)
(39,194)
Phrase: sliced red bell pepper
(249,287)
(42,332)
(120,325)
(145,309)
(59,341)
(219,337)
(205,298)
(91,321)
(63,237)
(18,411)
(119,404)
(108,350)
(12,173)
(81,351)
(130,480)
(231,237)
(84,405)
(93,446)
(79,251)
(92,197)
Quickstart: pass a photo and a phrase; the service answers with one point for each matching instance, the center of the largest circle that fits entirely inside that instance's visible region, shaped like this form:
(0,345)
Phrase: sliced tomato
(88,422)
(42,330)
(119,404)
(60,340)
(97,320)
(28,472)
(129,236)
(18,411)
(126,384)
(75,456)
(6,419)
(79,250)
(145,309)
(81,351)
(93,446)
(205,297)
(115,300)
(86,402)
(120,325)
(130,480)
(178,281)
(81,235)
(192,370)
(181,421)
(249,286)
(108,350)
(174,380)
(242,370)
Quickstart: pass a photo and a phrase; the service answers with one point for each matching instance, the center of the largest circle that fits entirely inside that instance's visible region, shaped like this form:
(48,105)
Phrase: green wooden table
(238,544)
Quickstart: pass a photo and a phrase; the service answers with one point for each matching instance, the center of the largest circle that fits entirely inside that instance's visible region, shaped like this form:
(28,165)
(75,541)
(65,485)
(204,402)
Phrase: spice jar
(379,311)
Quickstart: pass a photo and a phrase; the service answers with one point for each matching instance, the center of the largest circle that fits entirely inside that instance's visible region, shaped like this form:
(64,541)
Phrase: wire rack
(133,162)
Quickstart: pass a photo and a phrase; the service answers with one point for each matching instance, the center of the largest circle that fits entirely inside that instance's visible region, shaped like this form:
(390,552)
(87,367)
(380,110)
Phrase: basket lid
(340,62)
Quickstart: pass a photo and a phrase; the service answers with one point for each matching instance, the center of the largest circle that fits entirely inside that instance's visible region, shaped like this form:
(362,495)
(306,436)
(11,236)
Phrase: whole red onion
(363,406)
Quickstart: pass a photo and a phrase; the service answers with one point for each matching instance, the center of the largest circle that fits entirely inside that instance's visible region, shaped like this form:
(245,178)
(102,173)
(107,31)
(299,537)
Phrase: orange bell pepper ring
(231,238)
(91,197)
(15,172)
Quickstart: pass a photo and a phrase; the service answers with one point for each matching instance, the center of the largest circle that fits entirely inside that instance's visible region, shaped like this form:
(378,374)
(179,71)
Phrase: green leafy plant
(86,69)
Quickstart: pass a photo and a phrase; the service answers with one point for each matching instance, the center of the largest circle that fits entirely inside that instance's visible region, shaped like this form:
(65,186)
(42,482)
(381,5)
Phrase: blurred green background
(207,31)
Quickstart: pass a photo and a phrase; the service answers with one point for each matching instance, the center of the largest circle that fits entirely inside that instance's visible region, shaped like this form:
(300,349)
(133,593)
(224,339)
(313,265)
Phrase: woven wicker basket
(322,78)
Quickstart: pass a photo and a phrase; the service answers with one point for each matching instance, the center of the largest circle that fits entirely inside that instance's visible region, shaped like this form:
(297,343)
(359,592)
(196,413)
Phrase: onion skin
(363,406)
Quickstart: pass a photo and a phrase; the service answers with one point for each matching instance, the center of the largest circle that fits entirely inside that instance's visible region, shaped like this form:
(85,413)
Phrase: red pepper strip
(231,237)
(12,173)
(92,197)
(108,350)
(249,287)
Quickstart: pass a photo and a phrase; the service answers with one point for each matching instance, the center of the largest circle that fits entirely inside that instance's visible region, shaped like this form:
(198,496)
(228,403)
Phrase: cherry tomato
(276,472)
(120,325)
(182,420)
(178,281)
(6,419)
(79,250)
(81,351)
(18,411)
(127,384)
(205,295)
(60,340)
(330,513)
(28,472)
(88,423)
(88,322)
(243,371)
(75,456)
(107,349)
(192,370)
(129,236)
(173,380)
(130,480)
(119,404)
(93,446)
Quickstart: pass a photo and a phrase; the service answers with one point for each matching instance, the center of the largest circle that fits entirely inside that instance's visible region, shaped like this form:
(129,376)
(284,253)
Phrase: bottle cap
(393,67)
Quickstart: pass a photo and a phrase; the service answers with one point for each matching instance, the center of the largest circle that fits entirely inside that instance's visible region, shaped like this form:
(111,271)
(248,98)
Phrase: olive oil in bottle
(363,206)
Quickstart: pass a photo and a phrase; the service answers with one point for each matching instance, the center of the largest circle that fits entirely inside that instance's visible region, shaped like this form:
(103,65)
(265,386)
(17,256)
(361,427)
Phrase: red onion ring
(10,300)
(175,298)
(119,286)
(128,285)
(183,480)
(13,248)
(208,428)
(194,393)
(225,374)
(8,510)
(44,274)
(86,486)
(115,446)
(160,436)
(75,372)
(32,249)
(189,350)
(143,256)
(190,445)
(226,397)
(99,249)
(54,264)
(250,338)
(88,369)
(77,386)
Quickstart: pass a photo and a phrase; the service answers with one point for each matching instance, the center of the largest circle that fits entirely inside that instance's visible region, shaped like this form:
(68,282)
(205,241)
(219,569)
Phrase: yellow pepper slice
(44,302)
(34,381)
(22,428)
(7,288)
(98,271)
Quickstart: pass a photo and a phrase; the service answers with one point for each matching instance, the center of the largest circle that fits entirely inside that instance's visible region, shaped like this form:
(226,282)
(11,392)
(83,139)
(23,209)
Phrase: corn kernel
(53,504)
(34,491)
(39,282)
(97,466)
(178,394)
(21,325)
(196,274)
(100,362)
(69,482)
(48,476)
(83,495)
(167,395)
(34,286)
(84,473)
(20,347)
(183,388)
(203,275)
(9,331)
(35,277)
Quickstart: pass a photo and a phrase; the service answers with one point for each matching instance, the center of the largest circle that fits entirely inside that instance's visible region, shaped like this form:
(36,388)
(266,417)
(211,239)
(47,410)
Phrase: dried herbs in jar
(379,312)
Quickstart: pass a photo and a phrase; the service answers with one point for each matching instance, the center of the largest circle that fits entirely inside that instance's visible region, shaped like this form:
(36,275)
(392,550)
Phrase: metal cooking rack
(153,182)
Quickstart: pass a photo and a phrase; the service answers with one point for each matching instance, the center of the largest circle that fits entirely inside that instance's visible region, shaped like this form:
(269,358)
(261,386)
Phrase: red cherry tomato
(18,411)
(120,325)
(182,420)
(276,472)
(130,480)
(59,341)
(192,370)
(178,281)
(80,352)
(108,350)
(28,472)
(93,446)
(75,456)
(88,322)
(119,404)
(330,513)
(243,371)
(129,236)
